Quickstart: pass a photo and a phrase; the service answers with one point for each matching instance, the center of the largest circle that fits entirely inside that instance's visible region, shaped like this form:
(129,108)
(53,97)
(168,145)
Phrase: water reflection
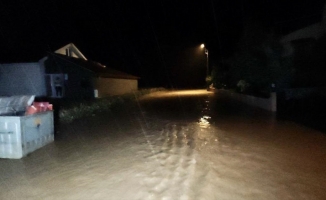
(203,121)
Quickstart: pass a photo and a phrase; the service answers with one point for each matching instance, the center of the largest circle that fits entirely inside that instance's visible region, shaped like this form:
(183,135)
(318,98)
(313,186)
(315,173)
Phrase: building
(22,79)
(304,36)
(65,73)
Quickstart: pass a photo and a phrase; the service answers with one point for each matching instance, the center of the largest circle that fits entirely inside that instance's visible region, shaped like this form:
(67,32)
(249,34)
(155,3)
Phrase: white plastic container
(20,135)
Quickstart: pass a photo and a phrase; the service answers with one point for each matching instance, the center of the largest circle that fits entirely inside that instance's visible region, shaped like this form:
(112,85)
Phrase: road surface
(174,145)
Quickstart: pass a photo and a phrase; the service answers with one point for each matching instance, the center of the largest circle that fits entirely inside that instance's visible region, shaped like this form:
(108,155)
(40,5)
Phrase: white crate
(20,135)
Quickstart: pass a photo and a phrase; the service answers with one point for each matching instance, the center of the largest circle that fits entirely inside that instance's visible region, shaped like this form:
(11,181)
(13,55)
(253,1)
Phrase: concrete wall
(114,86)
(269,104)
(22,79)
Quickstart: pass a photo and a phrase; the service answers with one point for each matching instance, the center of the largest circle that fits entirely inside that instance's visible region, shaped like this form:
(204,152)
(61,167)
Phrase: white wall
(22,79)
(114,86)
(73,51)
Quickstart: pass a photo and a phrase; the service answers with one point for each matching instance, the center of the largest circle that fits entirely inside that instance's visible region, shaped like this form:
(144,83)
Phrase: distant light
(185,93)
(202,46)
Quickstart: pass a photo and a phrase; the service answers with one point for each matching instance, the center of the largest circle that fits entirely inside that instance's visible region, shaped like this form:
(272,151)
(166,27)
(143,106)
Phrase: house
(84,78)
(305,35)
(65,73)
(304,49)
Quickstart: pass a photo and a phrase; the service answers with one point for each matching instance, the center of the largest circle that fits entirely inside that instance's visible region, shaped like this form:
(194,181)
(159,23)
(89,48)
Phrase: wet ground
(174,145)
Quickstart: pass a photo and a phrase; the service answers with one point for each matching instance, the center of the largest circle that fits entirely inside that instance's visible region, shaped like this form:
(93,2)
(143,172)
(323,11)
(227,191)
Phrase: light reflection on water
(203,121)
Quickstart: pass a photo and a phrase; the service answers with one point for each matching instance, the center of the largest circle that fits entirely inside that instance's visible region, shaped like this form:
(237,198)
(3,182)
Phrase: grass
(72,110)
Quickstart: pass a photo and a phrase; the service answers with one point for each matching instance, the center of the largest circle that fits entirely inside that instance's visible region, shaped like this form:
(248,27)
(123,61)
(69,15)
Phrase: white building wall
(73,51)
(114,86)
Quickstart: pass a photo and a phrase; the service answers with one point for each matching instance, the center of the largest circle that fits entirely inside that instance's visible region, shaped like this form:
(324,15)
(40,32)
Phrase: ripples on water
(146,155)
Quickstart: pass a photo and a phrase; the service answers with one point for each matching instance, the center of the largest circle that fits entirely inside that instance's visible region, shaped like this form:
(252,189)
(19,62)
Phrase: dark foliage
(256,65)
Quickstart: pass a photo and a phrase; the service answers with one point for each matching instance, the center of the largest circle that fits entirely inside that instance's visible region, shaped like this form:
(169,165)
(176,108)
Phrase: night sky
(156,40)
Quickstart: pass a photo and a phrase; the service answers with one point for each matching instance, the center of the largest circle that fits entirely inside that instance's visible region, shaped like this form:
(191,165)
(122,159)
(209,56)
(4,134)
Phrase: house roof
(309,27)
(313,31)
(98,69)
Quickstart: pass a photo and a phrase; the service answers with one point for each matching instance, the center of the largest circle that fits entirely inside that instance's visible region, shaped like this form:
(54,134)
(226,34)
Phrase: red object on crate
(31,110)
(41,106)
(38,107)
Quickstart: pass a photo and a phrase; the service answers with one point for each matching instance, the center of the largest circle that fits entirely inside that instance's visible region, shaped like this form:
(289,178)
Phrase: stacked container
(21,134)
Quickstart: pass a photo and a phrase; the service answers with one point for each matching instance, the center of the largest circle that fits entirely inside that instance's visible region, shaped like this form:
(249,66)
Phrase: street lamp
(206,52)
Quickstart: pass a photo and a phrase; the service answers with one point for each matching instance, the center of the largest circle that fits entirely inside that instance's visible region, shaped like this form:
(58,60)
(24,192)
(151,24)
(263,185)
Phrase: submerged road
(174,145)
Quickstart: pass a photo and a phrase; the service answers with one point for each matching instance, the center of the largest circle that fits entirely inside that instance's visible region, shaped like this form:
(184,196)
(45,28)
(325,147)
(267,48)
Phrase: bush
(72,110)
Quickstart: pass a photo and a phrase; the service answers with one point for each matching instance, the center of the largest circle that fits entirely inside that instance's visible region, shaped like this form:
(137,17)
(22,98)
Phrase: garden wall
(269,104)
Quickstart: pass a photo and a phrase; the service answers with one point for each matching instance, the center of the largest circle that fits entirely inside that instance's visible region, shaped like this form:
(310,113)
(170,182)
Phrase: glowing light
(190,92)
(202,46)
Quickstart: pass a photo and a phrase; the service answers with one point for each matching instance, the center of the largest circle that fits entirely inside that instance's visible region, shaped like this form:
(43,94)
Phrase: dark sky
(141,37)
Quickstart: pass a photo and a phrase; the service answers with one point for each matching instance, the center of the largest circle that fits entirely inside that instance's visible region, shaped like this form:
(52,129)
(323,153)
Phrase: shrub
(74,110)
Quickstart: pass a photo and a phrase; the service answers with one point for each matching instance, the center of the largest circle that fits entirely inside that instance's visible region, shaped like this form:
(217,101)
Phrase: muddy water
(174,145)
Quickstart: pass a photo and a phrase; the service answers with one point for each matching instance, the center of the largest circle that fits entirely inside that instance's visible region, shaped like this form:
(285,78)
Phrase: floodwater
(174,145)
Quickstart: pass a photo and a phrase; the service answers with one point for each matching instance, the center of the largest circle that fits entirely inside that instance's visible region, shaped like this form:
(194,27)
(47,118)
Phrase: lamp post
(207,68)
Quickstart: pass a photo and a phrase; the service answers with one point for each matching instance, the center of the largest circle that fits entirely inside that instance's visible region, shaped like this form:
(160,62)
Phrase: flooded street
(187,145)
